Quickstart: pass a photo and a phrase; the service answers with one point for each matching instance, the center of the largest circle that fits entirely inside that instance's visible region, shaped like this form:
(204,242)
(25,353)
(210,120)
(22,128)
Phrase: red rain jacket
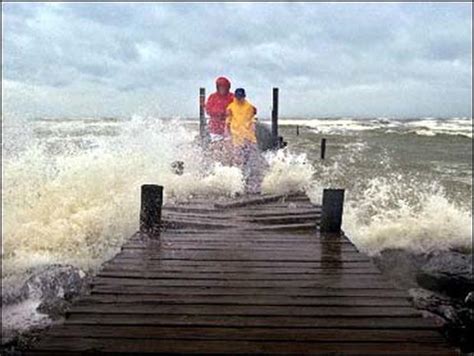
(216,107)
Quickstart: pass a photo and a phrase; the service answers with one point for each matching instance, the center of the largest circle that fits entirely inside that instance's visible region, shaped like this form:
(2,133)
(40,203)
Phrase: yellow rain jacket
(241,119)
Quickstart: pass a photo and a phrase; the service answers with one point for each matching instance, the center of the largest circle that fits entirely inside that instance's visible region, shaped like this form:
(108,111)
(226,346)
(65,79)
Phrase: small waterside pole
(331,217)
(275,139)
(323,148)
(202,116)
(150,211)
(297,130)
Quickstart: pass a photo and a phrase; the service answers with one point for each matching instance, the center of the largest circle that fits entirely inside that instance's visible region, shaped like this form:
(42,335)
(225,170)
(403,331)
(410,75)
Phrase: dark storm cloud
(329,59)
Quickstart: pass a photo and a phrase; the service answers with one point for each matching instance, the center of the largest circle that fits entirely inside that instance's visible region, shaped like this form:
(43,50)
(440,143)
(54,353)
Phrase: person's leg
(254,169)
(237,155)
(217,148)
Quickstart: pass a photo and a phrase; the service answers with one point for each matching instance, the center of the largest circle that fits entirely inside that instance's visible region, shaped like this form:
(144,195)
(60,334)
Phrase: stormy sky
(328,59)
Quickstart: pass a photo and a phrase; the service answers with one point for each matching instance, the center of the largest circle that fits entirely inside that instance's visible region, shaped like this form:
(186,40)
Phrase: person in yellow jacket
(240,122)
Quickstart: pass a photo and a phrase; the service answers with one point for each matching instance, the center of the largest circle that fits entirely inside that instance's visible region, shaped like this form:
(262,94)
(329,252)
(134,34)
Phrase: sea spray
(456,126)
(71,188)
(420,219)
(387,207)
(287,173)
(77,206)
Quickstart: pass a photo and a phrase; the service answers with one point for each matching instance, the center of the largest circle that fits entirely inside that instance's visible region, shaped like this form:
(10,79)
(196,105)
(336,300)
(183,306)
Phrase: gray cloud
(328,59)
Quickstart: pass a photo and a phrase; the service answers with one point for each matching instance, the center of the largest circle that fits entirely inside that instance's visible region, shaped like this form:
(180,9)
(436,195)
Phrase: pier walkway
(244,276)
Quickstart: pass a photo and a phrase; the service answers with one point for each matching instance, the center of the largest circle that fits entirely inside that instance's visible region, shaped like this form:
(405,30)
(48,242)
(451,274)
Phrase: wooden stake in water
(323,148)
(275,139)
(150,212)
(202,115)
(331,217)
(297,130)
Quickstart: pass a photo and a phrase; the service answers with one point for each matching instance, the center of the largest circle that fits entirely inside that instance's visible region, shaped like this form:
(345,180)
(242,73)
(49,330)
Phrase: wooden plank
(256,334)
(319,263)
(285,227)
(198,223)
(130,258)
(249,201)
(249,234)
(342,282)
(292,218)
(153,274)
(241,243)
(247,238)
(244,256)
(241,347)
(246,300)
(242,310)
(224,270)
(250,241)
(244,215)
(324,322)
(234,291)
(263,212)
(255,235)
(169,246)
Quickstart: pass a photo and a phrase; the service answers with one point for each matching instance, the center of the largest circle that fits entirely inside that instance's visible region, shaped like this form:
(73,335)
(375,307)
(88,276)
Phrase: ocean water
(71,186)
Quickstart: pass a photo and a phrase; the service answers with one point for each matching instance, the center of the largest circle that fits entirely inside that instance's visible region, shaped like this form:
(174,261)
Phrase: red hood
(223,82)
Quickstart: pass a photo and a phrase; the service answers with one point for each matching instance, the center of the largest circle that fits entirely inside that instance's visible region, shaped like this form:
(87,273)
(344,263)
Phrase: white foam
(287,173)
(394,213)
(423,127)
(21,316)
(78,206)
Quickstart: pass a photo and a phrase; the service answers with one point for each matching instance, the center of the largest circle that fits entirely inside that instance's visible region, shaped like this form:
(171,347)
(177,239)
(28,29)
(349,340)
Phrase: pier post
(150,211)
(275,139)
(333,202)
(323,148)
(281,142)
(202,115)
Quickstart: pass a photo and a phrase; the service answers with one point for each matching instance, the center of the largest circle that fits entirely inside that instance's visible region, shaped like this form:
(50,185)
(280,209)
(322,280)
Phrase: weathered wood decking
(242,278)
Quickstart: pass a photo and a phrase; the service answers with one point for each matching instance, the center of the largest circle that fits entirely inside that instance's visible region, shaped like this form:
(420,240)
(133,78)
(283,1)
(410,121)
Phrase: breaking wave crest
(73,204)
(71,195)
(457,126)
(397,214)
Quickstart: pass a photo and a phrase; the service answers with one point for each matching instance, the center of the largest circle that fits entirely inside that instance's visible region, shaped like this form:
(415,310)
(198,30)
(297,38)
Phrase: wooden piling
(202,115)
(297,130)
(323,148)
(150,212)
(331,216)
(275,138)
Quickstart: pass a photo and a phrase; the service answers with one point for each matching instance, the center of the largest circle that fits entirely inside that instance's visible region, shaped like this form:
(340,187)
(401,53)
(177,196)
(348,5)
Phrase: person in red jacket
(216,108)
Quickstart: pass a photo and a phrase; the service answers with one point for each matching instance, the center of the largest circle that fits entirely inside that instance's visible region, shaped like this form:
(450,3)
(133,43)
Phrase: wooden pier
(243,276)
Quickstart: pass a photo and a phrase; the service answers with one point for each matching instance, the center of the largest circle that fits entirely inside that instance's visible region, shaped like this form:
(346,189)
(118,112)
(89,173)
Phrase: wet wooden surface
(244,276)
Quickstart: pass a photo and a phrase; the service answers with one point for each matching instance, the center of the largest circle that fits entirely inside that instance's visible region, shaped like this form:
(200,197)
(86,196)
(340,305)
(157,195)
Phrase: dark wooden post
(323,148)
(150,212)
(333,202)
(275,139)
(297,130)
(202,115)
(281,142)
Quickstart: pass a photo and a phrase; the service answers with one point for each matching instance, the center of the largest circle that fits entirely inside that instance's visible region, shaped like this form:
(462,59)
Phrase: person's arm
(228,121)
(254,118)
